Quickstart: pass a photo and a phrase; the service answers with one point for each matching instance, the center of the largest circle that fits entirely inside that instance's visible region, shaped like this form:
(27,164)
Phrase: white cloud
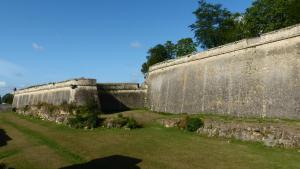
(10,70)
(135,44)
(37,47)
(2,84)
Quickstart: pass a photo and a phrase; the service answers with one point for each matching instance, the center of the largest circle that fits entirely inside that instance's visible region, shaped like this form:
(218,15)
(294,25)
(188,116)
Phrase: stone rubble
(270,134)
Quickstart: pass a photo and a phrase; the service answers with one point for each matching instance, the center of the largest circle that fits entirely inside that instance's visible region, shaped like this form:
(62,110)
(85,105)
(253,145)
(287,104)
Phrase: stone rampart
(253,77)
(70,91)
(121,96)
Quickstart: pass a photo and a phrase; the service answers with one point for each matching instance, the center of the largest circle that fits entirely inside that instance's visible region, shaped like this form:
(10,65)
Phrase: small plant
(26,108)
(68,107)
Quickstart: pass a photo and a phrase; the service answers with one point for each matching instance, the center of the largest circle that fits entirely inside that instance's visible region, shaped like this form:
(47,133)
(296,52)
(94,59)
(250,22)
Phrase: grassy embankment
(33,143)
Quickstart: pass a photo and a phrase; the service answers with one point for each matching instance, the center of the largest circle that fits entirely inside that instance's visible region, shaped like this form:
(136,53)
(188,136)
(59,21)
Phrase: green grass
(36,136)
(42,144)
(6,154)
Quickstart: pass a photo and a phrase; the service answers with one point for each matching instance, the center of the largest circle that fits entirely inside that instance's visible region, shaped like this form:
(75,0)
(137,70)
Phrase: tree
(156,54)
(268,15)
(8,98)
(171,49)
(0,100)
(215,25)
(168,50)
(185,46)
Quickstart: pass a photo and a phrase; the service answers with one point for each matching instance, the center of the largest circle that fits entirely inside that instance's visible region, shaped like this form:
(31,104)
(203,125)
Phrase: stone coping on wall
(55,85)
(278,35)
(120,86)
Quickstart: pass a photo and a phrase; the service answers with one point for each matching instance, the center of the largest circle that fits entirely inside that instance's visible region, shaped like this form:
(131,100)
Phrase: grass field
(36,144)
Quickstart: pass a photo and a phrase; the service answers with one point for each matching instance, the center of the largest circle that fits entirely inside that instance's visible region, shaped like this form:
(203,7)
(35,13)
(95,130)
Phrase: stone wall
(121,96)
(253,77)
(111,96)
(76,91)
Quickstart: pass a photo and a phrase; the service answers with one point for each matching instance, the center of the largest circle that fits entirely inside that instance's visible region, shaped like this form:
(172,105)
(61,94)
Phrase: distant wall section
(253,77)
(71,91)
(121,96)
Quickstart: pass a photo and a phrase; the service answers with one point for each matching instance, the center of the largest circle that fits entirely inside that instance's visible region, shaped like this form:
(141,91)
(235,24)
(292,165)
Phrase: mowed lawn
(32,143)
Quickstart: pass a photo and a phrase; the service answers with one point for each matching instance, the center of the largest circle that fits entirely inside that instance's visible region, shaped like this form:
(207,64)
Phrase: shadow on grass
(3,166)
(111,162)
(4,138)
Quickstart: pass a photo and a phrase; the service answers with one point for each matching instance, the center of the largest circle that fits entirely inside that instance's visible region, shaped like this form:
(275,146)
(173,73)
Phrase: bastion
(258,77)
(76,91)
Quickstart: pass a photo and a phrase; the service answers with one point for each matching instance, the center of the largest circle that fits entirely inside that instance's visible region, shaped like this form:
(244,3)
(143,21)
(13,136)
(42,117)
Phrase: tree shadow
(3,166)
(110,162)
(4,138)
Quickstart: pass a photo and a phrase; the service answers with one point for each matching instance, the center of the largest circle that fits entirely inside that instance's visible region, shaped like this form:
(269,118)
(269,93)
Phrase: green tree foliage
(168,50)
(185,46)
(8,98)
(171,49)
(0,100)
(215,25)
(156,54)
(268,15)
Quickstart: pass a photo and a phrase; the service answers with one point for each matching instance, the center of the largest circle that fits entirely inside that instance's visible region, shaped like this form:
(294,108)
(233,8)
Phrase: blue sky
(51,40)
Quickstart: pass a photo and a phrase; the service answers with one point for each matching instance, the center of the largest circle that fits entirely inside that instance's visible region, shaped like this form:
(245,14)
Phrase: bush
(194,124)
(131,123)
(120,121)
(190,123)
(76,122)
(84,118)
(89,121)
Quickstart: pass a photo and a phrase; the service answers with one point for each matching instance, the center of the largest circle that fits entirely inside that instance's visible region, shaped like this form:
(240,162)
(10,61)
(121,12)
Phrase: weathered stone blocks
(257,77)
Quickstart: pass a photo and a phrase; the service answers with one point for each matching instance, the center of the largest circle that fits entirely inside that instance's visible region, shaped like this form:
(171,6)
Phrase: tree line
(7,98)
(216,25)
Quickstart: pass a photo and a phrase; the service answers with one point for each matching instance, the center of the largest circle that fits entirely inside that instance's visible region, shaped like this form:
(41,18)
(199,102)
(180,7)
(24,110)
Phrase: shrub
(194,124)
(120,121)
(26,108)
(115,122)
(190,123)
(131,123)
(68,107)
(84,117)
(80,121)
(76,122)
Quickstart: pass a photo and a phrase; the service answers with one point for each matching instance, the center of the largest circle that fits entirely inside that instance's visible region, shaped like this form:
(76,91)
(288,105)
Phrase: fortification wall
(252,77)
(121,96)
(71,91)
